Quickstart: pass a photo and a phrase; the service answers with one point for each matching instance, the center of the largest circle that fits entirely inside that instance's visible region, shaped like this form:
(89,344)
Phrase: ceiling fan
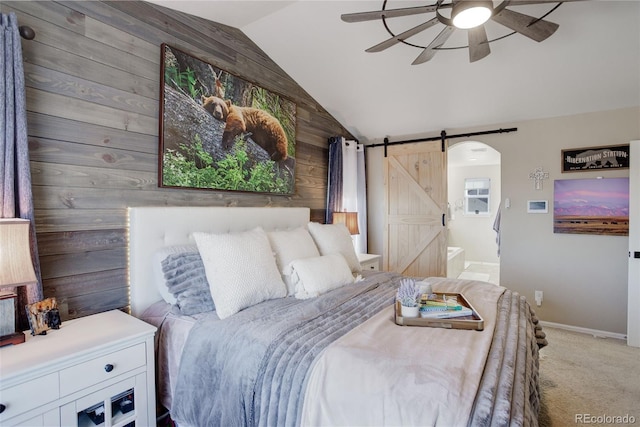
(469,15)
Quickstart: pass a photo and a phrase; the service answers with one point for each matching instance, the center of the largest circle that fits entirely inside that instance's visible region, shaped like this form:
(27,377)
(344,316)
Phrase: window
(476,196)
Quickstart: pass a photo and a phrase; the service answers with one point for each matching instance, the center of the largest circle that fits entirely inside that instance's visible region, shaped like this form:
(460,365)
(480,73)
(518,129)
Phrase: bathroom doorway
(474,194)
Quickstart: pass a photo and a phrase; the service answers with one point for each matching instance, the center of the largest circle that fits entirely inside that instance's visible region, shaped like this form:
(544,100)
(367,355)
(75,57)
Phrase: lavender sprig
(408,293)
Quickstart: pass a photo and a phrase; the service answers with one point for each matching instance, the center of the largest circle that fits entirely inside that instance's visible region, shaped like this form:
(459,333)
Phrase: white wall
(583,277)
(473,233)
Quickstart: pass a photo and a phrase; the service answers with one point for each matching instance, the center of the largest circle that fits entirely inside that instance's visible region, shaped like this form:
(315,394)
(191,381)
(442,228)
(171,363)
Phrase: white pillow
(241,269)
(290,245)
(335,238)
(315,276)
(158,275)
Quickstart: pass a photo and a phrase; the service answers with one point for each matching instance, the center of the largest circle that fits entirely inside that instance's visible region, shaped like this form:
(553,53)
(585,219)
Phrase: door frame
(633,299)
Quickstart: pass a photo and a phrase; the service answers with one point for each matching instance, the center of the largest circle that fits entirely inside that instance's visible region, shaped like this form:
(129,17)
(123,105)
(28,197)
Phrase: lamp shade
(16,268)
(471,13)
(350,219)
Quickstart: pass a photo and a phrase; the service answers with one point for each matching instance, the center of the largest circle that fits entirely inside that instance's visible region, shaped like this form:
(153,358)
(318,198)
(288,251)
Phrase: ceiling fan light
(470,14)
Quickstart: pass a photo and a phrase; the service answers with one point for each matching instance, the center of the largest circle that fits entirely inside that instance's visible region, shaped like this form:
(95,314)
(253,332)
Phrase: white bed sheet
(374,372)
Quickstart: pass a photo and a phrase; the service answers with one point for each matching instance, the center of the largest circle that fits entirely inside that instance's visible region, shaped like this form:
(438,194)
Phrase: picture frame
(43,315)
(537,206)
(595,158)
(221,132)
(591,206)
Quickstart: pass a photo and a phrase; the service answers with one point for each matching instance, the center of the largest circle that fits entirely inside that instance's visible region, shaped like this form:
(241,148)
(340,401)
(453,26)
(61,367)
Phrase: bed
(325,350)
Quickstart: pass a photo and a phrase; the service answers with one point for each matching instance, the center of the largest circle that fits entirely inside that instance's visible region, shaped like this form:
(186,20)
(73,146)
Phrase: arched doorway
(474,194)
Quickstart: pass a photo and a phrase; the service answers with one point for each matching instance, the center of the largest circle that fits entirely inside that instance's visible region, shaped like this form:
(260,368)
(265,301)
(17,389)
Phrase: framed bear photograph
(221,132)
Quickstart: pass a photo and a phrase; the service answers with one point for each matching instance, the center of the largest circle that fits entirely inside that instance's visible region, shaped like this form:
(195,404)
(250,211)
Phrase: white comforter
(363,379)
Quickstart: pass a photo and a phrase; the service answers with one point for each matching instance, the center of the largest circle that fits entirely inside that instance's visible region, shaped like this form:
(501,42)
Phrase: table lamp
(16,269)
(350,219)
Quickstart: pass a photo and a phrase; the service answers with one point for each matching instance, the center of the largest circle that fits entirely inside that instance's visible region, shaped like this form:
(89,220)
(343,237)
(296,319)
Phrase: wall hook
(27,32)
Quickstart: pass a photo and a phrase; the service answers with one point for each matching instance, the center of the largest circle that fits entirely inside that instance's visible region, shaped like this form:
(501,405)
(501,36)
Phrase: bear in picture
(264,129)
(215,106)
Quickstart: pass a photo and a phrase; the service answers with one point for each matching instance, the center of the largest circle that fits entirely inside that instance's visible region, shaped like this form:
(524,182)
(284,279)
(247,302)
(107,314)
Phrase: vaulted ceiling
(591,63)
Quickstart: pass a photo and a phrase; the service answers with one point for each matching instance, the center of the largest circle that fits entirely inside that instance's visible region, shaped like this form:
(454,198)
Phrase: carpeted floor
(588,380)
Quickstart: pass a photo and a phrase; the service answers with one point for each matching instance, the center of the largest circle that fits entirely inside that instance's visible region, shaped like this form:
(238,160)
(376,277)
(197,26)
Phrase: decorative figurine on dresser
(43,315)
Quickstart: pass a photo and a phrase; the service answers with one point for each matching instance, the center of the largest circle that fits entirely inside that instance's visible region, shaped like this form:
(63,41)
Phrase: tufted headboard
(151,228)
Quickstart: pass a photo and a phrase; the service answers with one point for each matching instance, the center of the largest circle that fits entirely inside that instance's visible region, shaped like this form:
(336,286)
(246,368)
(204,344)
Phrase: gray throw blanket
(509,389)
(250,369)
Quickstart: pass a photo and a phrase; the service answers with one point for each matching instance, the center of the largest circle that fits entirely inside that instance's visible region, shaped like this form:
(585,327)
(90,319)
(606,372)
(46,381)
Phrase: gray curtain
(347,165)
(16,199)
(334,187)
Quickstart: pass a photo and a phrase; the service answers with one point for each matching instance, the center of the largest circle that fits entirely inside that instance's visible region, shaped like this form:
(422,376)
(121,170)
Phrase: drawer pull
(2,408)
(108,367)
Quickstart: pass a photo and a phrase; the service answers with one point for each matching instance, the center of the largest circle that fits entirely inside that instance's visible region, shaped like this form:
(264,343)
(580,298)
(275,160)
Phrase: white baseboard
(594,332)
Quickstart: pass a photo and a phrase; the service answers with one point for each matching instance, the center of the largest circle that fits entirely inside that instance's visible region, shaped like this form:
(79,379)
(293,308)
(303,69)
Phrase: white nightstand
(100,365)
(369,262)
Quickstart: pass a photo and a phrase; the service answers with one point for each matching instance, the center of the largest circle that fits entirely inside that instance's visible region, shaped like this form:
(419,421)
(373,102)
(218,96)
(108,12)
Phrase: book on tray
(435,308)
(446,314)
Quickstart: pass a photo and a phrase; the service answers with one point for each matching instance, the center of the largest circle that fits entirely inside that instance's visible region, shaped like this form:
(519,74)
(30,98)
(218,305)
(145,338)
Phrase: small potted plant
(408,294)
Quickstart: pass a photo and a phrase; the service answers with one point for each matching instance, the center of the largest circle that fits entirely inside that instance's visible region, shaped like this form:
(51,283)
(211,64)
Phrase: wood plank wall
(92,76)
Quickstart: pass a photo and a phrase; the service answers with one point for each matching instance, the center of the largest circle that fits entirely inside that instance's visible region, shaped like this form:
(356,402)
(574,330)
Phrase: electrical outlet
(538,296)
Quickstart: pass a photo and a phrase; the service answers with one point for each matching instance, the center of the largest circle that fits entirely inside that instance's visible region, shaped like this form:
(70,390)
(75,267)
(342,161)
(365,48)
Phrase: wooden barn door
(416,199)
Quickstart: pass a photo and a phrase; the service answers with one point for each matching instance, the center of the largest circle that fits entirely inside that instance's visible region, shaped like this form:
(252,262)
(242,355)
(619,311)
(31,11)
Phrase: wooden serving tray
(474,322)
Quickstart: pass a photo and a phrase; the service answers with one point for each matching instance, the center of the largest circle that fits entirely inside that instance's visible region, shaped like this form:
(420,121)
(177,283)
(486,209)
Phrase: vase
(409,311)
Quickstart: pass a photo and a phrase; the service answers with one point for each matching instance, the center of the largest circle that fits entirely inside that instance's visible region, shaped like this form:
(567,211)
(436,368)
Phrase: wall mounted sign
(595,158)
(591,206)
(221,132)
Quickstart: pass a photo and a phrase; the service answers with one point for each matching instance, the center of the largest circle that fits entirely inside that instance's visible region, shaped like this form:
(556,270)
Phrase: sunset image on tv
(591,206)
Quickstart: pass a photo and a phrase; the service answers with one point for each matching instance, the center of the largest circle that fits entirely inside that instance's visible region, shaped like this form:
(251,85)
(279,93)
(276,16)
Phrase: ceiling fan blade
(526,25)
(390,13)
(402,36)
(478,43)
(430,50)
(525,2)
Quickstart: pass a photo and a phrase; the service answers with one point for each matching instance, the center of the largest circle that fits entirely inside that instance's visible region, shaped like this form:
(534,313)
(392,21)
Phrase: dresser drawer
(371,266)
(369,262)
(101,369)
(29,395)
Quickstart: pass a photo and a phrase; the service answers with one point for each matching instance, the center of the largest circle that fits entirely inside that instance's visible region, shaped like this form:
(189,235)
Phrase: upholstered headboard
(151,228)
